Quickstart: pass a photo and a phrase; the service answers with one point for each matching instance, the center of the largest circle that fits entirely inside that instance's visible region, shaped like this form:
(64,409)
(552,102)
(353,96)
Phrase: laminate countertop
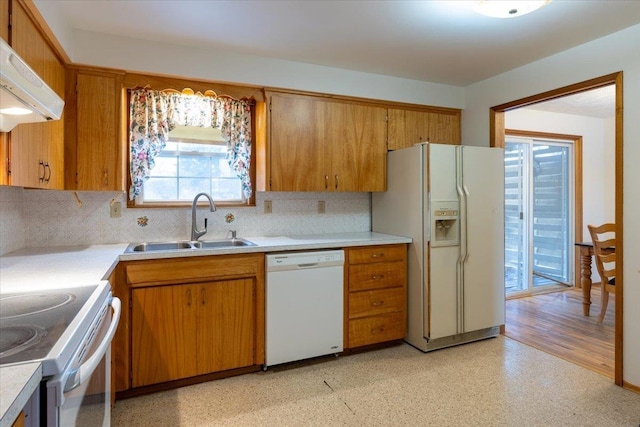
(17,384)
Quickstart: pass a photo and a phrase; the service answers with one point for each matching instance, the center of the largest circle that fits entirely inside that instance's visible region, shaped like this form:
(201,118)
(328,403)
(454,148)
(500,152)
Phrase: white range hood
(24,96)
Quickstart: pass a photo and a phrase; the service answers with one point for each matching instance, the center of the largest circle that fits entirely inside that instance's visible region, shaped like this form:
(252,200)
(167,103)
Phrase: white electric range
(69,331)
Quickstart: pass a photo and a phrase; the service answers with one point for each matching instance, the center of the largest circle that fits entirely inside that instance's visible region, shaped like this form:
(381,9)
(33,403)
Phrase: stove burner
(26,304)
(14,339)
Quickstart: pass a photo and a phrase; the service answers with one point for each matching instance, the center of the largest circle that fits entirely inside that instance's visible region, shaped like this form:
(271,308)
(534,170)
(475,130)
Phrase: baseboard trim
(630,386)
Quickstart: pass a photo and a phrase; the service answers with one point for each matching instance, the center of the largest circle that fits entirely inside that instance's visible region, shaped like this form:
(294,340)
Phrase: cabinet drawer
(377,276)
(190,269)
(377,254)
(370,303)
(377,329)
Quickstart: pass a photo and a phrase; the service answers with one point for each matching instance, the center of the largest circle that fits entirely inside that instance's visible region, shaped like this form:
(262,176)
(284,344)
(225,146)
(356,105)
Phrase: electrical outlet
(321,206)
(115,211)
(267,206)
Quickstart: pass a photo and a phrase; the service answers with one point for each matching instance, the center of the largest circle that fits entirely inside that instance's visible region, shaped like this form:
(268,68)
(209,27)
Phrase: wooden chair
(604,244)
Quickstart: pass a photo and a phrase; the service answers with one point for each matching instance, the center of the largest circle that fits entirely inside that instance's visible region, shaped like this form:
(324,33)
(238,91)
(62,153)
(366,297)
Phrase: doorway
(539,214)
(497,139)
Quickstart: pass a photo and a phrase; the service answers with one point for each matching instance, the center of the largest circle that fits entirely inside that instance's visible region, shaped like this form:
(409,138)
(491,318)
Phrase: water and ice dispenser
(445,224)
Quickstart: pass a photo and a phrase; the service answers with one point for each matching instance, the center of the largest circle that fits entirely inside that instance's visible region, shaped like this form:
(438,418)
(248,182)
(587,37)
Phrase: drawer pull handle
(377,276)
(378,303)
(377,255)
(188,297)
(377,331)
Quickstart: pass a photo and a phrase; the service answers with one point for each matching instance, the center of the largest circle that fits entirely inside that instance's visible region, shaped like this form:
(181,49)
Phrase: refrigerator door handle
(462,256)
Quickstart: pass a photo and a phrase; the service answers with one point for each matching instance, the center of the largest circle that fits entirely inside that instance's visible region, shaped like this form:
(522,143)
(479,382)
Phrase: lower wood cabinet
(181,331)
(186,317)
(375,295)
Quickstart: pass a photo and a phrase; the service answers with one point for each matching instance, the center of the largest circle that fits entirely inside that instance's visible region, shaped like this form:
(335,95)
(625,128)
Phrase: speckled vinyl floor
(495,382)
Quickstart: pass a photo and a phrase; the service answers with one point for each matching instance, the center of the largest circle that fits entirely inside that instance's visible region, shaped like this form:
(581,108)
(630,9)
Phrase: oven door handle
(86,369)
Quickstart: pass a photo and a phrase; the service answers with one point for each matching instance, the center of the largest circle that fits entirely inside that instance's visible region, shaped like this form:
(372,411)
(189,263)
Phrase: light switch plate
(268,208)
(321,207)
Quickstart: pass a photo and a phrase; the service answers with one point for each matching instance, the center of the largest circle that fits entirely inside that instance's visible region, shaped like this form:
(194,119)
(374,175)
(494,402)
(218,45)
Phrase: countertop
(47,268)
(17,384)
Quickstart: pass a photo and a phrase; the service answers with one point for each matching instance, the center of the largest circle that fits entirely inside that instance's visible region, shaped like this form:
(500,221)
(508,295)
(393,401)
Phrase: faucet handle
(233,233)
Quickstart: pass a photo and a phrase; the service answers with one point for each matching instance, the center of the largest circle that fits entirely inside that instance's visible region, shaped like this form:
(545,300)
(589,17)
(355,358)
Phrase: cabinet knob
(377,276)
(105,177)
(326,182)
(377,303)
(377,255)
(188,297)
(336,182)
(379,330)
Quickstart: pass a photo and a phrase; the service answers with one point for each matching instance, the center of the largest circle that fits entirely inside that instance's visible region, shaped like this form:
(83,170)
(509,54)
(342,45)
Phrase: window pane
(161,189)
(194,166)
(165,166)
(189,187)
(226,189)
(220,167)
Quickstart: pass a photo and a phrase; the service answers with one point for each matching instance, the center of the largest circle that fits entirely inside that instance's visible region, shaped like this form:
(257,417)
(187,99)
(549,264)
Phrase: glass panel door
(538,214)
(516,257)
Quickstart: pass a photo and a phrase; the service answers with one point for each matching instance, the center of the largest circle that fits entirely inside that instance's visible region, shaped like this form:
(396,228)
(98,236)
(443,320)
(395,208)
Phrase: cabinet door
(409,127)
(99,152)
(226,325)
(37,149)
(356,147)
(163,333)
(296,144)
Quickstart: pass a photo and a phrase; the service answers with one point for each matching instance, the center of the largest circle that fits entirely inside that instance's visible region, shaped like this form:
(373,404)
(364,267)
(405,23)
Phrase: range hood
(24,96)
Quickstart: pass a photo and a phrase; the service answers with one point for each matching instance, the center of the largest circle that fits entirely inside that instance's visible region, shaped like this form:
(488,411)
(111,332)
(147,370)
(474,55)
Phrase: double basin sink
(182,245)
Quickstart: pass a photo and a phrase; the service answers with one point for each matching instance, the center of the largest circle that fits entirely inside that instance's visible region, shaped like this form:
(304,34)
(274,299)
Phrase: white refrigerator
(450,201)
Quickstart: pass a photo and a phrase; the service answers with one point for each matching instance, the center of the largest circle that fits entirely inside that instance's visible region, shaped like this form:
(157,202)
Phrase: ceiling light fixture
(507,9)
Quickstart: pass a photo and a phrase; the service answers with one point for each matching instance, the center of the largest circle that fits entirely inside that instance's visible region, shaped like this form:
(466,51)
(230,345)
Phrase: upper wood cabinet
(36,150)
(409,127)
(94,136)
(324,144)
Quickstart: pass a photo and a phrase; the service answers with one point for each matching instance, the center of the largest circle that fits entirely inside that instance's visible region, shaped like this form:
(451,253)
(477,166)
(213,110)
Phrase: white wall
(617,52)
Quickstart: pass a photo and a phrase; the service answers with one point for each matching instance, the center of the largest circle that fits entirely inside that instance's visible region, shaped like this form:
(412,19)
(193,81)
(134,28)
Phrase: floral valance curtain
(154,113)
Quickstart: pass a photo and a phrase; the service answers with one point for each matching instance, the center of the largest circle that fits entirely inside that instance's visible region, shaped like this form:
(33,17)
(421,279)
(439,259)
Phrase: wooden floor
(554,324)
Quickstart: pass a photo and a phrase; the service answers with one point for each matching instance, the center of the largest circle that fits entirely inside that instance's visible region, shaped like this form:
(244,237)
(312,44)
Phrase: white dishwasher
(304,305)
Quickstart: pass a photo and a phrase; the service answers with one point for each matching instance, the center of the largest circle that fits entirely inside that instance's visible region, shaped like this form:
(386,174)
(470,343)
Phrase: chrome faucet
(195,233)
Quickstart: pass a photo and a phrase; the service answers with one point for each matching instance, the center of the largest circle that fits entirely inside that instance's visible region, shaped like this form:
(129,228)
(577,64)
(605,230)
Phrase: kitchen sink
(171,246)
(222,243)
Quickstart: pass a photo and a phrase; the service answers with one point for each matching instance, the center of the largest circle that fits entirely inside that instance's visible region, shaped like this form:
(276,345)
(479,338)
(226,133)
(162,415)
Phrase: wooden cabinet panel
(409,127)
(375,294)
(99,149)
(180,331)
(226,325)
(296,144)
(375,254)
(371,303)
(376,276)
(162,334)
(37,149)
(377,329)
(357,155)
(319,144)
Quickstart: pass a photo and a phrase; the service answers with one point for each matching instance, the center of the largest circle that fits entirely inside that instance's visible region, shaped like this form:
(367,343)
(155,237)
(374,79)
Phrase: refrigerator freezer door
(442,290)
(483,185)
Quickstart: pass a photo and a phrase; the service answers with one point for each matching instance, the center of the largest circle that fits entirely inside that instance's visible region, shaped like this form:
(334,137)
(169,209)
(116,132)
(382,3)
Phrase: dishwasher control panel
(293,260)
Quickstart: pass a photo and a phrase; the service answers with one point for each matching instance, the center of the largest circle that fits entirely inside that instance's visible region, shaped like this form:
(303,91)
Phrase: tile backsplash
(39,218)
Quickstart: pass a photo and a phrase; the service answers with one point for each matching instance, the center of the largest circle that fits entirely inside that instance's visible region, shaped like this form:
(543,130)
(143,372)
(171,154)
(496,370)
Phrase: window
(182,144)
(194,160)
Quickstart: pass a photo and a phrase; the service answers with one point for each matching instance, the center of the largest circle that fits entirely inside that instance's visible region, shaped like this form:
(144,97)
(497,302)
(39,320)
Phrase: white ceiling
(436,41)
